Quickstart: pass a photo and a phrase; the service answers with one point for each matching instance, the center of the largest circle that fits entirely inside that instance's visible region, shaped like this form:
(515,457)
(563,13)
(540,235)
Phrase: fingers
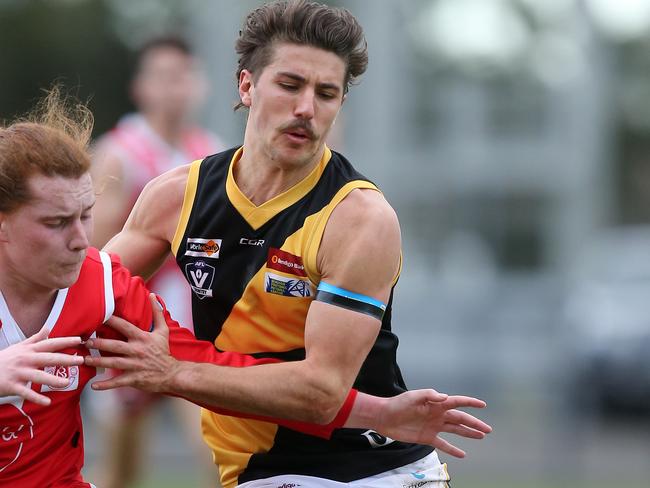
(456,401)
(116,362)
(159,323)
(463,431)
(458,417)
(42,359)
(115,382)
(444,446)
(43,378)
(56,344)
(32,396)
(109,345)
(124,327)
(39,336)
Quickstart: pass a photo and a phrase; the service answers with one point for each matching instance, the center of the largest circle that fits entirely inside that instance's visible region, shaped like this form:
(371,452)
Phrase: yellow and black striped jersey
(253,273)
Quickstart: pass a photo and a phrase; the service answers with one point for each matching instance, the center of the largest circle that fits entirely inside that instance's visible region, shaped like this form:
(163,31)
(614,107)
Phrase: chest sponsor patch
(286,262)
(288,287)
(71,373)
(200,276)
(203,248)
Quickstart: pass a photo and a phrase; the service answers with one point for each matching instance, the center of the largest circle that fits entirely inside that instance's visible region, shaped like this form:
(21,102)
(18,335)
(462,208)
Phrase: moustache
(303,125)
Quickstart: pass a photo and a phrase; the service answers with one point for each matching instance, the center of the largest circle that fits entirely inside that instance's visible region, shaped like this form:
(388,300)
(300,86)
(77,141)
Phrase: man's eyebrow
(302,79)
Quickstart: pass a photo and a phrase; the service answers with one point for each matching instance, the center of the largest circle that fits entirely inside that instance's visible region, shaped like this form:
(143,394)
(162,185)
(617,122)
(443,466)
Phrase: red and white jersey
(145,155)
(42,446)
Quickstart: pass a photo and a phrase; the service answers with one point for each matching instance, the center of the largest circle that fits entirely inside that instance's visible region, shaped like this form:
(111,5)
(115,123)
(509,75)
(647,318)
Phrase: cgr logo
(251,242)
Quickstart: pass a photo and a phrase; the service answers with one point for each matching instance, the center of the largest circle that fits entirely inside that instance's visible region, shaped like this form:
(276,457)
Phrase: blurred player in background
(166,88)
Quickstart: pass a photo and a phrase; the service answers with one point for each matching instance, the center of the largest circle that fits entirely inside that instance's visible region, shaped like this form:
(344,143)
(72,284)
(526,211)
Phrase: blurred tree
(66,41)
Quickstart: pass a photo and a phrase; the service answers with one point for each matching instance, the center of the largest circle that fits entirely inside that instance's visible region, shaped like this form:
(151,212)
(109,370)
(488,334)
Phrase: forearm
(284,390)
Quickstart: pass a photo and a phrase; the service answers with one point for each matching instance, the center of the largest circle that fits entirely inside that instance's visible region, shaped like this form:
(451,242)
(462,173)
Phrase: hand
(420,415)
(144,358)
(23,362)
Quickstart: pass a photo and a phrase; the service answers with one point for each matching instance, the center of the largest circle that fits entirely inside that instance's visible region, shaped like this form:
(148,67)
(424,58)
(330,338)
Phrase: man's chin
(69,277)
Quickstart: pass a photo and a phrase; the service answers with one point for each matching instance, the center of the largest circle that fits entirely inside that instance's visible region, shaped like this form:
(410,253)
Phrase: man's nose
(79,236)
(305,104)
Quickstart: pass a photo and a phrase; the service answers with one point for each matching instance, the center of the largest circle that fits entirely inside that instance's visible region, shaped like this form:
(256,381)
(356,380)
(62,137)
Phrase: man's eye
(54,224)
(288,86)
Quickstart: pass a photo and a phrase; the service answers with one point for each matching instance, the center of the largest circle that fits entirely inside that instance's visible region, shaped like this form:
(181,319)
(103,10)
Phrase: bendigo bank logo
(203,248)
(286,262)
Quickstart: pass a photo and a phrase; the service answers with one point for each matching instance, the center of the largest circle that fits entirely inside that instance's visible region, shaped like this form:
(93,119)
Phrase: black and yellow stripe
(241,315)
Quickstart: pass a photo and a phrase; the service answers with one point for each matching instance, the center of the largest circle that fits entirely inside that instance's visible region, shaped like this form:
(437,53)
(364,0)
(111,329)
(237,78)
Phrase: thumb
(159,323)
(434,396)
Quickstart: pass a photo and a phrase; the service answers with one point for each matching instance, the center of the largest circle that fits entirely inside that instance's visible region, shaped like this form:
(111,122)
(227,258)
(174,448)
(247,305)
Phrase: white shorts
(427,472)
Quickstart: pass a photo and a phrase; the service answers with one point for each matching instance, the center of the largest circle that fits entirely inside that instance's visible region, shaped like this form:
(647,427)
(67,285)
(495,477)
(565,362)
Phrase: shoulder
(361,244)
(366,217)
(367,207)
(97,261)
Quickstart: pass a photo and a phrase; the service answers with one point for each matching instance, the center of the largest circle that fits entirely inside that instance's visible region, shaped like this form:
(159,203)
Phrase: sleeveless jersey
(253,274)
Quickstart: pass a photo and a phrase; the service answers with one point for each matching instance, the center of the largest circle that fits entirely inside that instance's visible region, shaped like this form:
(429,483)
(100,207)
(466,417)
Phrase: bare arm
(145,241)
(23,362)
(336,340)
(113,197)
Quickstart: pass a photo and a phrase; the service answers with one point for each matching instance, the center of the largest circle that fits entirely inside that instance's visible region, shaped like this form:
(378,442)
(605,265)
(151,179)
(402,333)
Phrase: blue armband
(334,295)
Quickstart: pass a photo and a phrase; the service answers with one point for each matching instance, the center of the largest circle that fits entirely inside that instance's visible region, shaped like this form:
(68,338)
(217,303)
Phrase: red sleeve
(132,304)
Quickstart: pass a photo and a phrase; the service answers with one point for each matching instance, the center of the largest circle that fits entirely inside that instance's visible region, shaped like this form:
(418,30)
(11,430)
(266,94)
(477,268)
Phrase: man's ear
(3,227)
(246,87)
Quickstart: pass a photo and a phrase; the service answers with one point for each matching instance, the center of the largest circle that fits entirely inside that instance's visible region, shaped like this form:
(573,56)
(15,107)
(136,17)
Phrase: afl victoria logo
(200,275)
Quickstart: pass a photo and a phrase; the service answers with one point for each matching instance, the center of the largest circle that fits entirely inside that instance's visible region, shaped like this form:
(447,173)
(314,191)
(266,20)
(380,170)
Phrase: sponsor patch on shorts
(203,248)
(288,287)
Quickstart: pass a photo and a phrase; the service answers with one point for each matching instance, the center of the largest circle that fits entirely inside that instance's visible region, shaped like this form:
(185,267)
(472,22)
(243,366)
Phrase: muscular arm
(336,340)
(145,241)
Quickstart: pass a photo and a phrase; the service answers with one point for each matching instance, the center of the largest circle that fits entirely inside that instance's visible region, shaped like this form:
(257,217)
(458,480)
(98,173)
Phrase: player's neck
(29,308)
(261,178)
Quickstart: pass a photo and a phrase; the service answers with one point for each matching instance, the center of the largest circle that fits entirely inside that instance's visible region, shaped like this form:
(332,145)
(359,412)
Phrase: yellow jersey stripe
(188,201)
